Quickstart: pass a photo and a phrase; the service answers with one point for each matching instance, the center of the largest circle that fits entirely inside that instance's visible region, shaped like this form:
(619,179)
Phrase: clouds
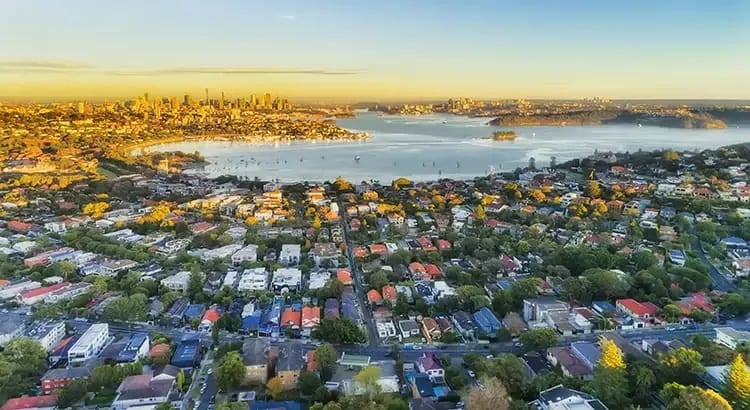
(85,68)
(42,65)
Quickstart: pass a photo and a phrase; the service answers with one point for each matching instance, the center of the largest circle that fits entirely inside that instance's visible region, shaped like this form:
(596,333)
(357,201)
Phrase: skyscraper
(186,100)
(267,100)
(206,102)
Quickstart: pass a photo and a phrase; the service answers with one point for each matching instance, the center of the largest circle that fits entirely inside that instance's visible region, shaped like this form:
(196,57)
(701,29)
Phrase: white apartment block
(49,333)
(90,344)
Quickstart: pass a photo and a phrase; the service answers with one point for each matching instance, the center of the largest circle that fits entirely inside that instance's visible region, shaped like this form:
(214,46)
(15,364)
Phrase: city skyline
(386,51)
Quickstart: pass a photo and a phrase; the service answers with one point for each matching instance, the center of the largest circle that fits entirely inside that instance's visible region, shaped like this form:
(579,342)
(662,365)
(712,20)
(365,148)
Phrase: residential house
(325,252)
(144,390)
(248,253)
(177,282)
(570,363)
(641,313)
(562,398)
(537,309)
(463,324)
(290,254)
(46,402)
(430,329)
(289,365)
(487,322)
(48,333)
(430,365)
(409,328)
(256,355)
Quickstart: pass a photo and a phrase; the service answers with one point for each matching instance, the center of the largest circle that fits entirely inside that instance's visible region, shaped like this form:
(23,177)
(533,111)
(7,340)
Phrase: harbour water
(430,147)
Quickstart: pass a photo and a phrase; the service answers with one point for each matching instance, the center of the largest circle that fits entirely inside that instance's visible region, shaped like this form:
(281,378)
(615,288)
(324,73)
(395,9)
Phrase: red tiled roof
(389,292)
(312,365)
(344,276)
(636,307)
(43,290)
(378,248)
(432,270)
(416,267)
(443,244)
(211,315)
(291,317)
(310,316)
(30,402)
(374,296)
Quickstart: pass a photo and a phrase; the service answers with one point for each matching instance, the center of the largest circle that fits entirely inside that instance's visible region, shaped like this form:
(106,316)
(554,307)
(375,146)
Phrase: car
(489,356)
(197,404)
(210,371)
(471,374)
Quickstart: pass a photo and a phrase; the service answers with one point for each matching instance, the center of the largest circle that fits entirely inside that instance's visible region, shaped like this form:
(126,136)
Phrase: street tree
(368,378)
(231,371)
(737,389)
(538,339)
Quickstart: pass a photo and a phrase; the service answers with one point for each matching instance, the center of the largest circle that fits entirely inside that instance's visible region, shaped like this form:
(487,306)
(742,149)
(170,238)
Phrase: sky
(397,50)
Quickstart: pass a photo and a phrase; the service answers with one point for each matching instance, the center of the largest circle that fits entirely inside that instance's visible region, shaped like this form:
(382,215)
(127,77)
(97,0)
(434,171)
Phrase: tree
(642,379)
(127,308)
(493,396)
(455,377)
(72,393)
(737,389)
(28,353)
(180,381)
(169,406)
(368,378)
(479,213)
(593,190)
(509,369)
(671,313)
(378,279)
(538,339)
(215,333)
(307,383)
(231,371)
(611,357)
(682,365)
(316,222)
(339,331)
(610,382)
(325,357)
(275,387)
(682,397)
(195,284)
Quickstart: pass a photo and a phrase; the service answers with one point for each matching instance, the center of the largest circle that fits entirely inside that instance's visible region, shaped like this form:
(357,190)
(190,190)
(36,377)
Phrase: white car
(471,374)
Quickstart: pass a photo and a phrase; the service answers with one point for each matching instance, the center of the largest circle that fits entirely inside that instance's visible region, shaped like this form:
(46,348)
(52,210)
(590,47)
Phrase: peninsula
(594,117)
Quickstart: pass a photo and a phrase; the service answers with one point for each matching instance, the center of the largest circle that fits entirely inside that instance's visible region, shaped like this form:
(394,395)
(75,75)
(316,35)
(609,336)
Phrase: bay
(430,147)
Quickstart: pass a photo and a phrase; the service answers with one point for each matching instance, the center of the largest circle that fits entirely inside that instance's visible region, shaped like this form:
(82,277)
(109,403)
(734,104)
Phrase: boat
(357,158)
(445,122)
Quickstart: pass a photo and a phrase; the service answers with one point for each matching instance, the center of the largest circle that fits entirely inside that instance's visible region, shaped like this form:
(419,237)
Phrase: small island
(503,136)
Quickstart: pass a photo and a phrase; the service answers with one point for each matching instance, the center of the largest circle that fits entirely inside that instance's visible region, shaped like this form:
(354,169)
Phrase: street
(721,283)
(364,305)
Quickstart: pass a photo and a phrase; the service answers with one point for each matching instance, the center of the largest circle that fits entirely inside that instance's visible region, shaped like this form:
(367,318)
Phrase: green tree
(682,365)
(307,383)
(325,357)
(538,339)
(195,283)
(339,331)
(230,373)
(378,279)
(72,393)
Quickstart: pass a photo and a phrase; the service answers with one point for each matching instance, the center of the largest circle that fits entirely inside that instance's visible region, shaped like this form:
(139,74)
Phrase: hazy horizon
(330,51)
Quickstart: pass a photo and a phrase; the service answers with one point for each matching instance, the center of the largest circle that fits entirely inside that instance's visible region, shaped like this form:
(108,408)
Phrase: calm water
(433,146)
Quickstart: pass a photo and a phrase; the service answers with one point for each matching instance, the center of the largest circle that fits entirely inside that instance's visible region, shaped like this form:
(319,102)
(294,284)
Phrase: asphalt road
(209,393)
(721,283)
(372,333)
